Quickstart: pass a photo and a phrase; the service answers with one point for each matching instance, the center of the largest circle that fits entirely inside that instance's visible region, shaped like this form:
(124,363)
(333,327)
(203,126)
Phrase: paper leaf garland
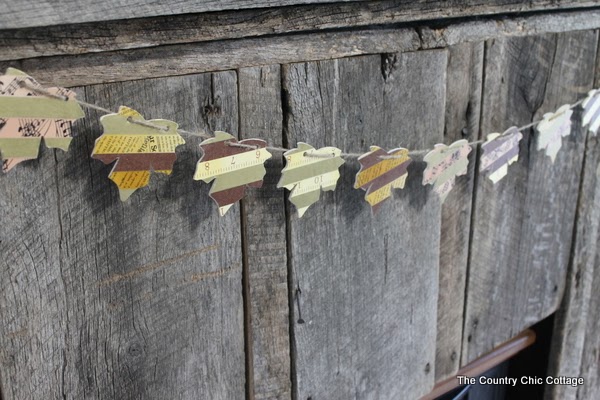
(551,130)
(137,149)
(306,176)
(378,176)
(444,164)
(232,168)
(499,151)
(27,117)
(591,111)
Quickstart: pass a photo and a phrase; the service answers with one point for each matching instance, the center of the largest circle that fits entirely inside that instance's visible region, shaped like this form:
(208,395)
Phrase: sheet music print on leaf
(499,151)
(551,130)
(307,176)
(444,164)
(378,176)
(26,118)
(591,111)
(137,149)
(232,168)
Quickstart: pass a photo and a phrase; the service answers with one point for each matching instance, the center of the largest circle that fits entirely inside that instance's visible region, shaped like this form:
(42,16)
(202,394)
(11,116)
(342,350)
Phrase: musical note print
(26,118)
(444,164)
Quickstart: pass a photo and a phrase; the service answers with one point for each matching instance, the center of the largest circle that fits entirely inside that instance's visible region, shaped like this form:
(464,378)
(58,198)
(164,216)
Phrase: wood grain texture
(463,103)
(265,239)
(46,12)
(522,226)
(575,345)
(575,348)
(108,300)
(188,28)
(183,59)
(365,287)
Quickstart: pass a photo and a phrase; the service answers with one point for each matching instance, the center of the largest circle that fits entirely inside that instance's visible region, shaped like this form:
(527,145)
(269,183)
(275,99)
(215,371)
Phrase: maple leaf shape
(137,149)
(499,151)
(444,164)
(233,168)
(306,176)
(26,117)
(378,176)
(551,130)
(591,111)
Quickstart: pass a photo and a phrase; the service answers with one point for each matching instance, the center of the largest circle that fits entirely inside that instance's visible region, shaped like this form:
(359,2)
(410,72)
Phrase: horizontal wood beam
(119,34)
(194,58)
(484,363)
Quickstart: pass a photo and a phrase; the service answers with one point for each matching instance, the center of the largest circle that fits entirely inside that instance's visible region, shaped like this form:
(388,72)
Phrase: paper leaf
(444,164)
(306,176)
(232,168)
(499,151)
(379,176)
(137,149)
(551,130)
(27,117)
(591,111)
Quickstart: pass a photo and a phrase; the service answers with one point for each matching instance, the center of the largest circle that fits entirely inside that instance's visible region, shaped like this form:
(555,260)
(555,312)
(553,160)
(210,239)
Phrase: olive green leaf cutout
(26,117)
(232,168)
(308,171)
(552,129)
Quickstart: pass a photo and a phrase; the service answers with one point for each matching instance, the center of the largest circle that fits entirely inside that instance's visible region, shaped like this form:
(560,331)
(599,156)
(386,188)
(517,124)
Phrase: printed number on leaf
(499,151)
(137,149)
(553,127)
(591,111)
(306,176)
(27,117)
(232,168)
(444,164)
(378,176)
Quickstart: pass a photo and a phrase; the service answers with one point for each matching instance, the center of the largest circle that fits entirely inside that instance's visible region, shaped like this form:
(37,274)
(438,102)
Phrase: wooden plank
(46,12)
(522,226)
(365,287)
(575,346)
(184,59)
(187,28)
(265,240)
(104,299)
(463,101)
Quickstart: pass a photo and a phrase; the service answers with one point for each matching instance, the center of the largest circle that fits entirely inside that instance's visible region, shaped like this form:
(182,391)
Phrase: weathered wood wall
(161,298)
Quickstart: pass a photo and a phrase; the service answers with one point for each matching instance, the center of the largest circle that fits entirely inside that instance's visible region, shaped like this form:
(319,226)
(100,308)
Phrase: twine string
(205,135)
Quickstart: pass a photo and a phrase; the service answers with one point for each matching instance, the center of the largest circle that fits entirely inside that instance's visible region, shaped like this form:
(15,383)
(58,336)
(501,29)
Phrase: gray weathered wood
(575,341)
(463,101)
(265,240)
(365,287)
(30,13)
(107,300)
(575,346)
(188,28)
(193,58)
(522,226)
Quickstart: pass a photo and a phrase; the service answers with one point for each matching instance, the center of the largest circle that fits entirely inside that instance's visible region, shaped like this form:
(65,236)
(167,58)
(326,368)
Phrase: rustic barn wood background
(160,298)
